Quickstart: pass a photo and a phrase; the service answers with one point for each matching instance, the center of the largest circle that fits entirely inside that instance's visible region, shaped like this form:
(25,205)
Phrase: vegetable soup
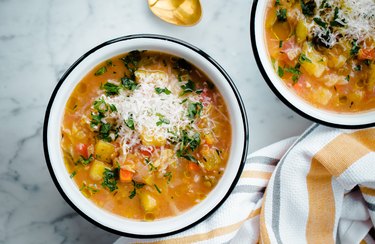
(325,51)
(146,135)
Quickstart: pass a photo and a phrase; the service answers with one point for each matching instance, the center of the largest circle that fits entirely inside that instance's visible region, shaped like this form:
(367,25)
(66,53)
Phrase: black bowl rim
(275,90)
(168,39)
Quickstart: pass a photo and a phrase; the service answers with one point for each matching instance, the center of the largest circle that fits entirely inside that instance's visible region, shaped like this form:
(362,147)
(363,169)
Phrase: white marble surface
(39,39)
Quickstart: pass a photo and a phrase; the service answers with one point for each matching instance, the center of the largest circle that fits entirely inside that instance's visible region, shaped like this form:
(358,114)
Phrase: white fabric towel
(318,188)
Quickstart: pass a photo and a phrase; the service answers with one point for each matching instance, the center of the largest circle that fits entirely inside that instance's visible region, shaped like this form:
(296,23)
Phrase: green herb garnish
(109,179)
(101,71)
(194,109)
(111,89)
(281,14)
(157,188)
(130,122)
(160,90)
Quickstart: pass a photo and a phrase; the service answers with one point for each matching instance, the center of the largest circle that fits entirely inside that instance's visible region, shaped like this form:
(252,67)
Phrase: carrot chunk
(366,53)
(126,175)
(193,166)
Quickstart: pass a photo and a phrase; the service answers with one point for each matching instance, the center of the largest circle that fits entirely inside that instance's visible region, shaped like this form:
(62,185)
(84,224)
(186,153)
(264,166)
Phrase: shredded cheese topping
(355,19)
(147,108)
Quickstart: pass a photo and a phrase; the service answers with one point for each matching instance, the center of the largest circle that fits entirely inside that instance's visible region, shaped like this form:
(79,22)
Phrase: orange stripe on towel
(339,154)
(367,191)
(321,218)
(256,174)
(264,238)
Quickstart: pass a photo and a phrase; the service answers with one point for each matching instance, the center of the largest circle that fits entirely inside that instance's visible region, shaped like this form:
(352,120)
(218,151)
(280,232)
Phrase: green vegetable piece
(111,89)
(128,83)
(130,122)
(280,72)
(187,87)
(281,15)
(160,90)
(308,7)
(194,109)
(109,179)
(101,71)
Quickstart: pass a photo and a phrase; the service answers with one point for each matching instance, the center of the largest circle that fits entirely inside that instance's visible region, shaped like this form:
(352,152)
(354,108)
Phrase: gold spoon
(177,12)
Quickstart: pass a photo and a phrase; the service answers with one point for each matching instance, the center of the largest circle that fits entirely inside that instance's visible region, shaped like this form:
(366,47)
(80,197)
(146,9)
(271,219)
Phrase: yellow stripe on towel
(256,174)
(367,191)
(339,154)
(321,218)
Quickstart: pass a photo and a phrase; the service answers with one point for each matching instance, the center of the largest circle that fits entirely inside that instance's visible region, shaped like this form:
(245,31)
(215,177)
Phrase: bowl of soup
(318,57)
(145,135)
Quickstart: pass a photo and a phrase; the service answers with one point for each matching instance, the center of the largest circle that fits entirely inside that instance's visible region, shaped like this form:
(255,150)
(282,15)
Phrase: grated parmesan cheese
(146,108)
(357,18)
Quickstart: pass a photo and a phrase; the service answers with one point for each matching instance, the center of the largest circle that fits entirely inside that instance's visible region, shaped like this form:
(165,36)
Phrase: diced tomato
(193,166)
(126,175)
(146,150)
(204,97)
(366,53)
(290,50)
(81,149)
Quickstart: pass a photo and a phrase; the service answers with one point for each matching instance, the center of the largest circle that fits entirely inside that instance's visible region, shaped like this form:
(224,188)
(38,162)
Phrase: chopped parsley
(308,7)
(303,58)
(130,122)
(168,176)
(73,174)
(187,87)
(128,83)
(162,120)
(194,109)
(109,179)
(136,186)
(113,107)
(131,61)
(111,89)
(157,188)
(85,161)
(281,14)
(320,22)
(280,72)
(355,48)
(188,145)
(101,71)
(160,90)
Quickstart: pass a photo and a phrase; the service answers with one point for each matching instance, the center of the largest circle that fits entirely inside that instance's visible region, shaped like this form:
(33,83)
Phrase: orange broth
(317,57)
(149,176)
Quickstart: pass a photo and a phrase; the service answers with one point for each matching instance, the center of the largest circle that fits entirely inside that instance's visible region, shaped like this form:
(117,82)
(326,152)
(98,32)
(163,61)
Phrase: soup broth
(324,51)
(146,135)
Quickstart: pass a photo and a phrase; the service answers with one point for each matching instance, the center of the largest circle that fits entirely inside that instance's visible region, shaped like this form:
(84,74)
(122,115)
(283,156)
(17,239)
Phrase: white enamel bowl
(103,218)
(333,119)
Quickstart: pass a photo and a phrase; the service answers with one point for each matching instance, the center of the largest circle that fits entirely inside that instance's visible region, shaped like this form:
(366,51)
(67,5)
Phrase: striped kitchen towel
(318,188)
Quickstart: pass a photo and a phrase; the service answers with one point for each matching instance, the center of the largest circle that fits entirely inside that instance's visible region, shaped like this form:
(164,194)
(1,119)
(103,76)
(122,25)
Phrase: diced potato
(336,61)
(104,151)
(150,76)
(149,140)
(333,79)
(147,201)
(211,159)
(318,63)
(301,31)
(209,138)
(322,95)
(97,169)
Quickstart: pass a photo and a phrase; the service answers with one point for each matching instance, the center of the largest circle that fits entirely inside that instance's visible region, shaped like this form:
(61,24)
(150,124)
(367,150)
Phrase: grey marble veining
(39,39)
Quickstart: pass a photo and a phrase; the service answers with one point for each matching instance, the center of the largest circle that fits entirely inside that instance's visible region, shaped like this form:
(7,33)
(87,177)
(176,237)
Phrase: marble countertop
(39,39)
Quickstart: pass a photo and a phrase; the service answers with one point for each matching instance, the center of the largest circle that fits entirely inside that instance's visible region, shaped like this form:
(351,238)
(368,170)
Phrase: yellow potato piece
(318,63)
(97,169)
(104,151)
(148,202)
(211,159)
(150,140)
(301,31)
